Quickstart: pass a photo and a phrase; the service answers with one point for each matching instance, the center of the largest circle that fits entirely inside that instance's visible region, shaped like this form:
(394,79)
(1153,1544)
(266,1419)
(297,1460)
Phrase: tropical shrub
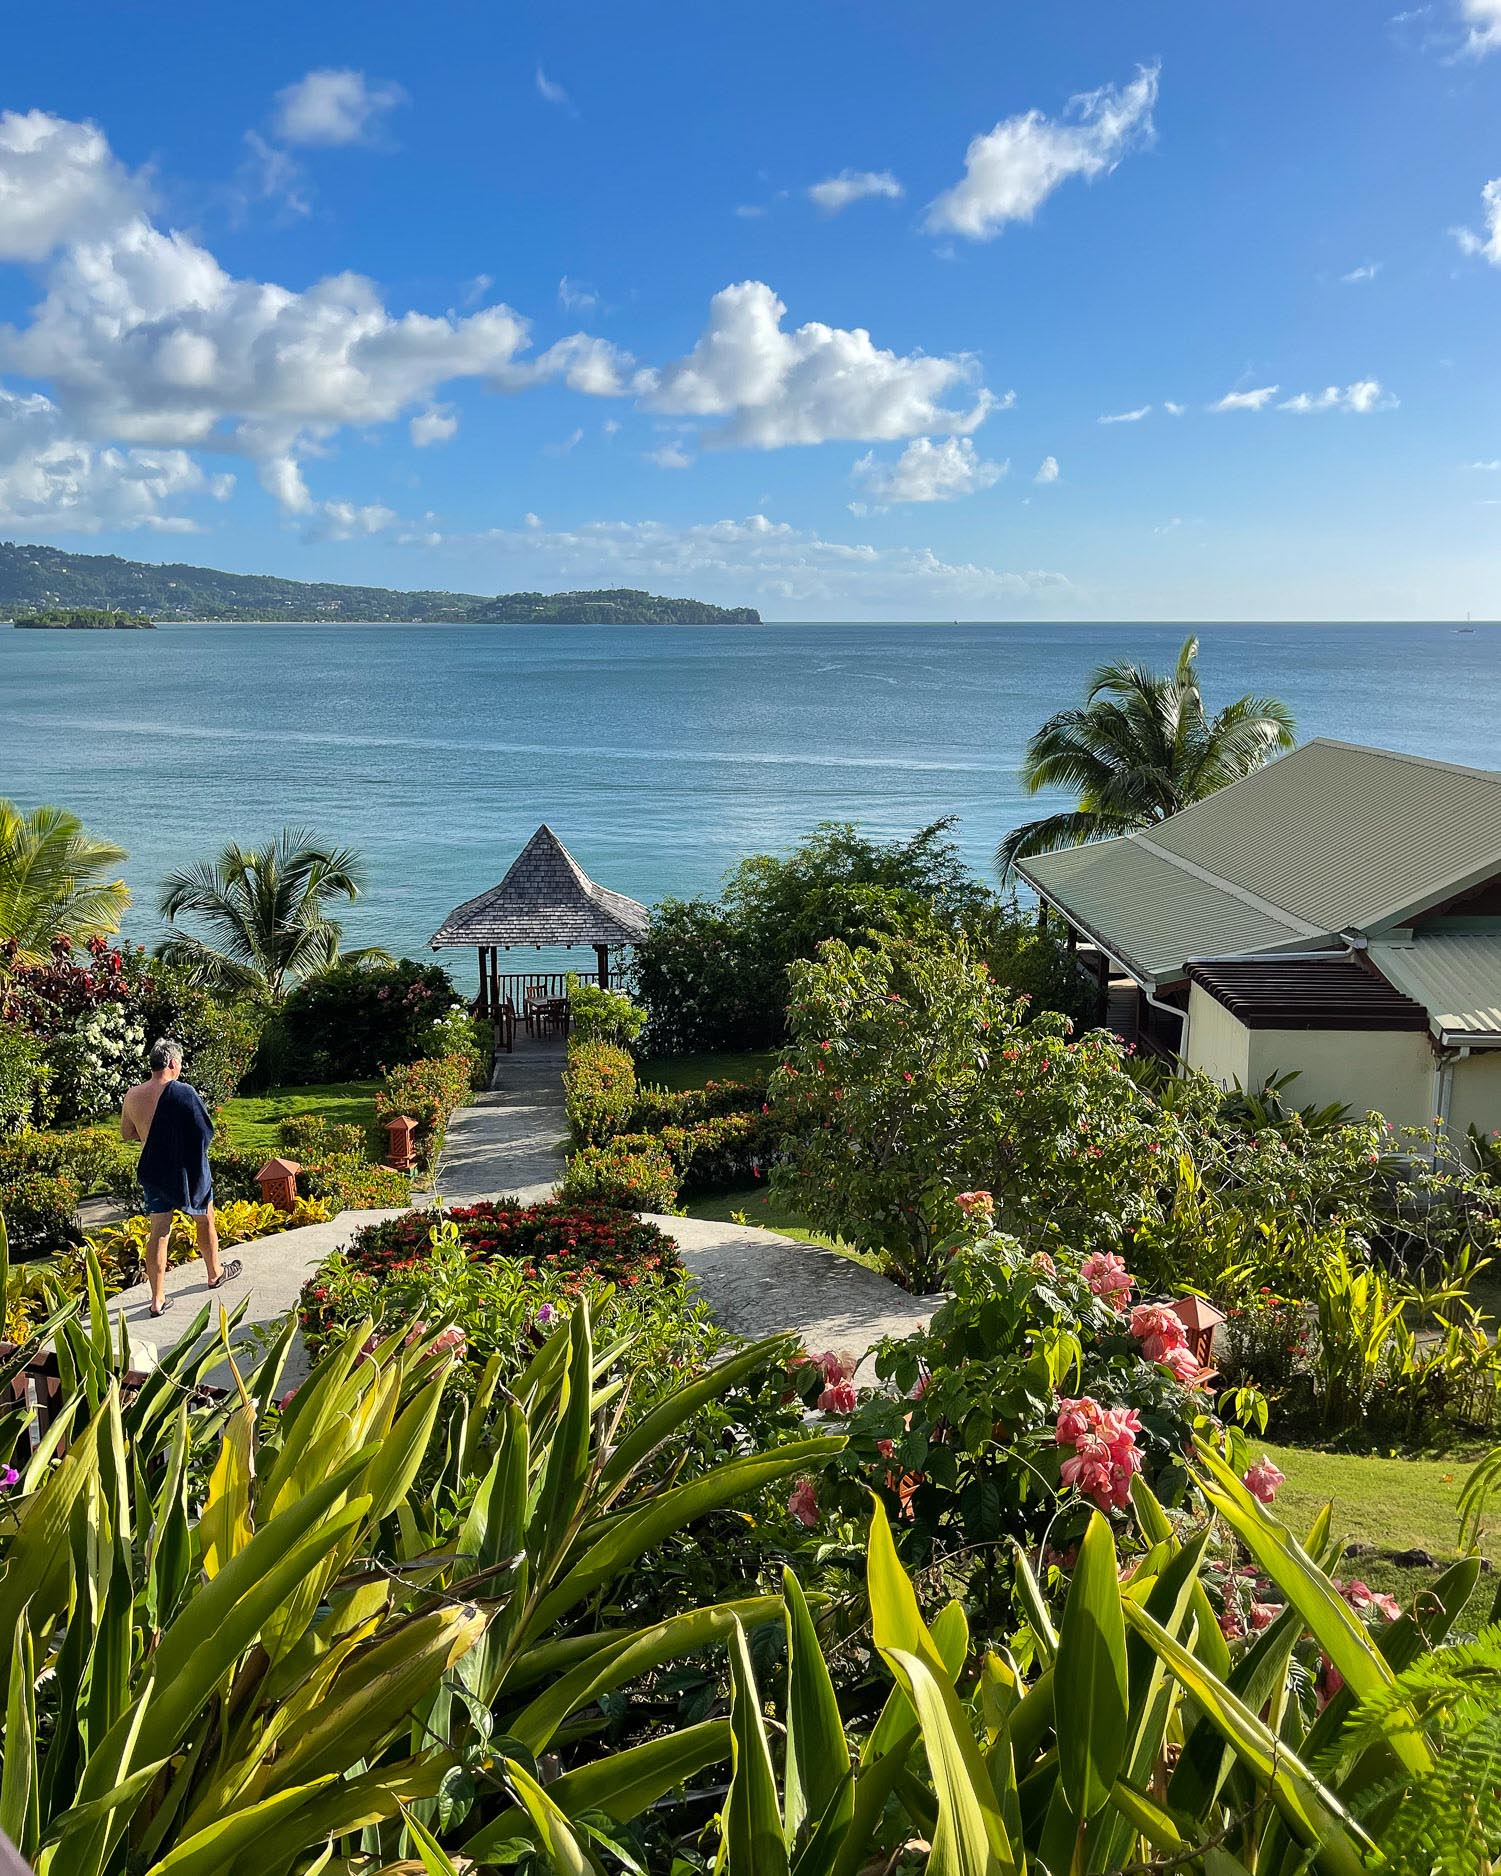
(41,1210)
(351,1182)
(95,1062)
(655,1108)
(427,1092)
(599,1089)
(23,1077)
(1036,1390)
(219,1034)
(353,1021)
(722,1154)
(599,1015)
(910,1078)
(96,1158)
(314,1137)
(635,1171)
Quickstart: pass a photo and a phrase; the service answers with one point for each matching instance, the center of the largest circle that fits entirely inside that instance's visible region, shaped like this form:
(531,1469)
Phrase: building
(1337,914)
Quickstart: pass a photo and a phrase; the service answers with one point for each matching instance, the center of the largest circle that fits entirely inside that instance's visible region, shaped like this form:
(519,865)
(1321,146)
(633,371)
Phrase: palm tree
(265,913)
(1139,750)
(50,880)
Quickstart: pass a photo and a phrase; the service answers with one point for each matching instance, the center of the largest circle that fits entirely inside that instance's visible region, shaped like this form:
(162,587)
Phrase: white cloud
(531,520)
(1127,416)
(1357,275)
(1169,527)
(929,471)
(853,185)
(1493,465)
(346,521)
(1048,470)
(437,425)
(1483,17)
(1247,400)
(670,456)
(51,479)
(1487,245)
(575,297)
(1172,409)
(553,94)
(1360,399)
(1010,171)
(270,174)
(749,211)
(565,445)
(59,182)
(772,561)
(334,106)
(816,384)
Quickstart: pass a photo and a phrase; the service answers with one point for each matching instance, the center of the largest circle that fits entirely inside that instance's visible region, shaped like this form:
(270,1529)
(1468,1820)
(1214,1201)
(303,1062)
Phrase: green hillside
(34,579)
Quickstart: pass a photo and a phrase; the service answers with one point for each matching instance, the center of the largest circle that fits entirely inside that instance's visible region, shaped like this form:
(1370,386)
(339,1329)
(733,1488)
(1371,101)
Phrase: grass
(249,1122)
(692,1071)
(1391,1505)
(760,1208)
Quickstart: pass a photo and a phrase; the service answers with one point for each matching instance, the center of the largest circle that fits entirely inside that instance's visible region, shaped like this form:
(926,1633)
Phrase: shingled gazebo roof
(546,899)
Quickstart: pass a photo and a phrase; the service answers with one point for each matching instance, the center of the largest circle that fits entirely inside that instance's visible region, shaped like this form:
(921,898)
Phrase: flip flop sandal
(231,1269)
(166,1305)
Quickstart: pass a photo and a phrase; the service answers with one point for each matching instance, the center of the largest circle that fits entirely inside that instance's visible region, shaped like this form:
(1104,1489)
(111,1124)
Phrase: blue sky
(816,308)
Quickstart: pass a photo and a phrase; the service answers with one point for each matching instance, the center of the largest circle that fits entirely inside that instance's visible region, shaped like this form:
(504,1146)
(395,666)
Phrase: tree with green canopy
(1141,748)
(264,913)
(53,880)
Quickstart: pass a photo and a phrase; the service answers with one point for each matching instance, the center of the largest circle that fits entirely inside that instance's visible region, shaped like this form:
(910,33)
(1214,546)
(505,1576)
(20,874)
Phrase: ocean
(659,754)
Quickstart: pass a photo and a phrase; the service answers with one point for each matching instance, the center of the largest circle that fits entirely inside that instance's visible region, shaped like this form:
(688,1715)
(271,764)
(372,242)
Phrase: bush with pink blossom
(1033,1395)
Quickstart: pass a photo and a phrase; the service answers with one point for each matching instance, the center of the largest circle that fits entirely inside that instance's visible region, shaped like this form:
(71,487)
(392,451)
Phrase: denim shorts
(155,1200)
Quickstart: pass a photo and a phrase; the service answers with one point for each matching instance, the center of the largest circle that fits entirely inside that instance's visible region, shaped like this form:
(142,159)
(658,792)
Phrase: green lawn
(692,1071)
(248,1123)
(760,1208)
(1391,1504)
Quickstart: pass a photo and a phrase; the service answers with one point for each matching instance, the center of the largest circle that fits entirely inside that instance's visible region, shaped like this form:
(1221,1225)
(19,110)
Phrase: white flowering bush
(95,1061)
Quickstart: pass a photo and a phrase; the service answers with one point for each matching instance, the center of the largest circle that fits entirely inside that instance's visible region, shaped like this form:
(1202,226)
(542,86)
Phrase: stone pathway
(757,1282)
(509,1141)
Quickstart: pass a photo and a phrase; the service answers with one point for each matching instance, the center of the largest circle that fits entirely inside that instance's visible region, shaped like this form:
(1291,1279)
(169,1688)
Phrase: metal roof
(1456,976)
(1333,992)
(1331,838)
(545,899)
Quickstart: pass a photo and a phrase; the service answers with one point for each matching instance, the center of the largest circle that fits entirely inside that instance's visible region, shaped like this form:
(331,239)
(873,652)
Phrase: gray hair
(167,1053)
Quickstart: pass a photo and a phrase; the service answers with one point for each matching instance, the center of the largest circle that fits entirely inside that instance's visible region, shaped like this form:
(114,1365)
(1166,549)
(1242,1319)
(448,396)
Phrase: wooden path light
(277,1180)
(546,899)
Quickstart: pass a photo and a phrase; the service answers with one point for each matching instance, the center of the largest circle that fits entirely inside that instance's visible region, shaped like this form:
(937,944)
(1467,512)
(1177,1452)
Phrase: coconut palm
(1139,750)
(52,880)
(264,913)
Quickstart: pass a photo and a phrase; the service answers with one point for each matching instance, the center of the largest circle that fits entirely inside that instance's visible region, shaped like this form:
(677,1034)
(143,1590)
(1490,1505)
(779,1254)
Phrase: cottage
(1338,914)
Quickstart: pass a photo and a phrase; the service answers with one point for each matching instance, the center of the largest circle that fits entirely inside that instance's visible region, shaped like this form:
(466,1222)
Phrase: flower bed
(500,1259)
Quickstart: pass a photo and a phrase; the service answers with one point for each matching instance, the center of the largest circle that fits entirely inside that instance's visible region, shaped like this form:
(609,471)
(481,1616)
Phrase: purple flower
(8,1478)
(545,1317)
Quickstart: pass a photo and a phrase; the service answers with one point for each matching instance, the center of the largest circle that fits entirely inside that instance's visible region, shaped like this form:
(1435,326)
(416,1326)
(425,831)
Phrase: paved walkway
(756,1282)
(509,1140)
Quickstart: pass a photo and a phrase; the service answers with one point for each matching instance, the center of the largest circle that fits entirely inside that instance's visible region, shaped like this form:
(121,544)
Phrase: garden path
(509,1141)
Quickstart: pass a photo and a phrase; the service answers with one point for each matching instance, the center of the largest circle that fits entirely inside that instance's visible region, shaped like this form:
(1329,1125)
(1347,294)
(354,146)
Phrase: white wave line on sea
(325,739)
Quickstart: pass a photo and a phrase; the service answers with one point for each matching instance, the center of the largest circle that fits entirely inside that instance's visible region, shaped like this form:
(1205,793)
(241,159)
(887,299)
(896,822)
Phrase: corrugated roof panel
(1342,836)
(1146,910)
(1456,976)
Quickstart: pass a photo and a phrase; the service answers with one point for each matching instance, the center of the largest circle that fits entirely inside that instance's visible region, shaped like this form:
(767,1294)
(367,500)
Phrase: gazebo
(545,899)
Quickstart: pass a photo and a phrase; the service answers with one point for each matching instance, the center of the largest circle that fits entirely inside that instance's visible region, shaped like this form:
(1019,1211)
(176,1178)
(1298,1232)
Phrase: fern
(1448,1821)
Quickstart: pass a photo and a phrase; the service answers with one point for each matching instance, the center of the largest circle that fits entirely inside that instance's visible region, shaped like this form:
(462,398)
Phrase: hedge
(428,1092)
(634,1170)
(599,1088)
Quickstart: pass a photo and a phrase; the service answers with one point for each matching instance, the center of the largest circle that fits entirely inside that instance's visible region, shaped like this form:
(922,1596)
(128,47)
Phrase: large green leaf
(753,1836)
(680,1407)
(562,1849)
(1089,1676)
(817,1754)
(1314,1815)
(1332,1622)
(669,1511)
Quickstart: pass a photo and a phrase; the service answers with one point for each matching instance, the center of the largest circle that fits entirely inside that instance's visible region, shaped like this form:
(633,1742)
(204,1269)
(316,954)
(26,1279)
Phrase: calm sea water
(659,754)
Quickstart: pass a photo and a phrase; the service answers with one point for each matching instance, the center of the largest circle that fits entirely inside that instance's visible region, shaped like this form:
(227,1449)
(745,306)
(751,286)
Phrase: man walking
(169,1117)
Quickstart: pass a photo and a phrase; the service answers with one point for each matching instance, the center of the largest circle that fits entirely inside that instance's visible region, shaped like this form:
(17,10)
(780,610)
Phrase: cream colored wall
(1219,1045)
(1475,1097)
(1390,1070)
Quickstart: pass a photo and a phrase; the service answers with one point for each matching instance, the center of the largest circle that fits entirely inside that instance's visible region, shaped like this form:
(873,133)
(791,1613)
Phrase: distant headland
(82,619)
(44,587)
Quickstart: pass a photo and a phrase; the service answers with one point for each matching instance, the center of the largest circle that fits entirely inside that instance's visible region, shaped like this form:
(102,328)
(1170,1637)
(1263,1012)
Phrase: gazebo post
(484,985)
(602,952)
(495,1009)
